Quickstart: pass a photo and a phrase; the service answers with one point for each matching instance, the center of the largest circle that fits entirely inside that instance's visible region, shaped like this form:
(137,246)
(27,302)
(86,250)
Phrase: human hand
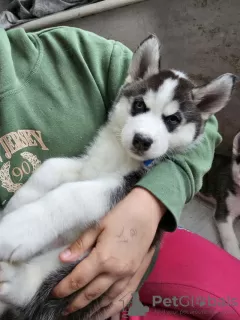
(106,309)
(123,239)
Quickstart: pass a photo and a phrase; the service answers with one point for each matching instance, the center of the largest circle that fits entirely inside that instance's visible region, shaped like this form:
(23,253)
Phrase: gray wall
(201,37)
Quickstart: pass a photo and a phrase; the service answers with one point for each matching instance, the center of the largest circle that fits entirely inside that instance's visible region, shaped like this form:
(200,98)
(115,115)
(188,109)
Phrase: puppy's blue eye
(138,107)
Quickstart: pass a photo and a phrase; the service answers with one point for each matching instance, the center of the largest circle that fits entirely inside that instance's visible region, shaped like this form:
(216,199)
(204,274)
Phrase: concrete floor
(200,37)
(4,4)
(197,216)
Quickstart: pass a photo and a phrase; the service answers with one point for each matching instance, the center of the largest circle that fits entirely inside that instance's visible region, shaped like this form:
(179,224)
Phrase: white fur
(171,108)
(182,136)
(150,126)
(233,204)
(27,276)
(180,74)
(160,101)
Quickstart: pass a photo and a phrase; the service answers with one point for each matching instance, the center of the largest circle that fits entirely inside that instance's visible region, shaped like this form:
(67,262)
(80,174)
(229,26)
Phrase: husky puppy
(222,185)
(157,112)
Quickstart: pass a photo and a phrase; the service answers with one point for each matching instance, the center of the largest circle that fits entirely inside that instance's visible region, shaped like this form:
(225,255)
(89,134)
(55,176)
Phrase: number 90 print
(28,166)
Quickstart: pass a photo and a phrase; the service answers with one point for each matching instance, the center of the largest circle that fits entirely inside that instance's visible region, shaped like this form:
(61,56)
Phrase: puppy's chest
(233,204)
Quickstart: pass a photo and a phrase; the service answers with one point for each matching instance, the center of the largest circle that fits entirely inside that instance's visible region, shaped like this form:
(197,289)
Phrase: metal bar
(75,13)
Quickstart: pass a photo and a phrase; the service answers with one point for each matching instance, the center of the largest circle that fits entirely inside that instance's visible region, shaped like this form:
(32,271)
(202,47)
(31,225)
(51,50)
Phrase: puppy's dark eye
(172,121)
(138,107)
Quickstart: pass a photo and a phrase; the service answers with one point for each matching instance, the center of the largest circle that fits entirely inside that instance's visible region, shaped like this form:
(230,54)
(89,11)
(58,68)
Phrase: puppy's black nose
(141,143)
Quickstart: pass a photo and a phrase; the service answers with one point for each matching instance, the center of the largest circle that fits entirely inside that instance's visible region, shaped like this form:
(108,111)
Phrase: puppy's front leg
(48,176)
(26,231)
(228,237)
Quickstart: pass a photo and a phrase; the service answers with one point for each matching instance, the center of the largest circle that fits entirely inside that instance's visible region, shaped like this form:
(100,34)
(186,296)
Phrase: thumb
(80,246)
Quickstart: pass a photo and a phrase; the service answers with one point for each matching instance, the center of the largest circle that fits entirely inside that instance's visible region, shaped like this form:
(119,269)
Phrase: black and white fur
(157,113)
(222,189)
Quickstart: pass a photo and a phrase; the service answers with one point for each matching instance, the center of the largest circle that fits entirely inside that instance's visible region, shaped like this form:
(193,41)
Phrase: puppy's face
(161,111)
(161,115)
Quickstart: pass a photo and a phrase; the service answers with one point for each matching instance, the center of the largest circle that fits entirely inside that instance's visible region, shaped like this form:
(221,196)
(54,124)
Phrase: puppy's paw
(21,237)
(7,278)
(14,284)
(17,247)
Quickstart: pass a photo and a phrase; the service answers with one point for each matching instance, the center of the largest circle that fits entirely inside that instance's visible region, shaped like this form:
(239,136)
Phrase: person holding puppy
(57,86)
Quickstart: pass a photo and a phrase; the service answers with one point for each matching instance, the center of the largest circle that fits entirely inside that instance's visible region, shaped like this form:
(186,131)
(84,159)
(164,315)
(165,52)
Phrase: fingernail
(54,294)
(65,313)
(66,254)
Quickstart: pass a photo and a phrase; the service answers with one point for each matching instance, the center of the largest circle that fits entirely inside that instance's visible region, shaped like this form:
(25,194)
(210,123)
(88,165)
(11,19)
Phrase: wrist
(148,203)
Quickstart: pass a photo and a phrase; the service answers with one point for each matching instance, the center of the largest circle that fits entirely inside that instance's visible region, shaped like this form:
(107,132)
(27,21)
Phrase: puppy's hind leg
(40,305)
(19,282)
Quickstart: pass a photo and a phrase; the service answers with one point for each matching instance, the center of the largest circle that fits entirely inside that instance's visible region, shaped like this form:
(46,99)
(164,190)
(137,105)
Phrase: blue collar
(147,163)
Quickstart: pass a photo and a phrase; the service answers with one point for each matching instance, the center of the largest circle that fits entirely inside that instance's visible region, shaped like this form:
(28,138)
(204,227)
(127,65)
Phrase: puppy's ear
(215,95)
(146,59)
(236,145)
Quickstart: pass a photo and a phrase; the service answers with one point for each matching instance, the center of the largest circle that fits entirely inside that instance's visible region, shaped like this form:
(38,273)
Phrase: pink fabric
(198,280)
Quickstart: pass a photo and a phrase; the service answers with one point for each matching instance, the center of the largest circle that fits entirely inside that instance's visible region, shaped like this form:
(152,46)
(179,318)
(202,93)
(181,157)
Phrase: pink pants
(192,279)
